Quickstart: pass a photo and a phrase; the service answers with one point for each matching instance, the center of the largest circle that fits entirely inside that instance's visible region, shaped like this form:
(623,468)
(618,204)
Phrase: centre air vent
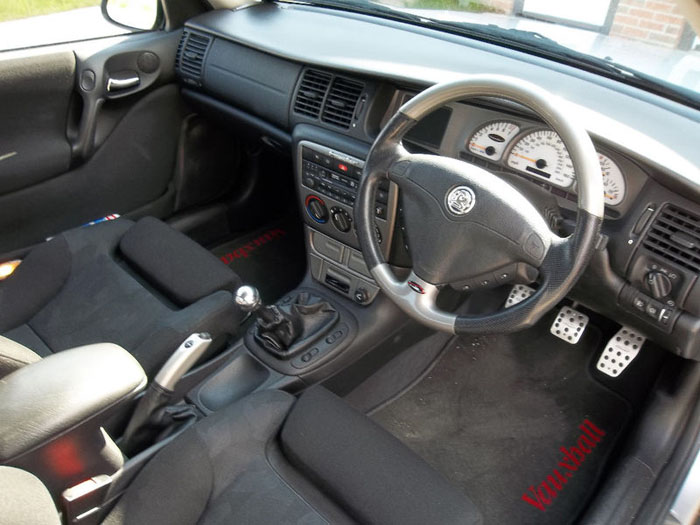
(311,92)
(675,236)
(189,59)
(341,102)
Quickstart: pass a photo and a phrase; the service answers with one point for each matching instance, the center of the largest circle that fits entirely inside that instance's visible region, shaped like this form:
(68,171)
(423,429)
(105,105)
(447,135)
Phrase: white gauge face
(542,154)
(613,181)
(490,140)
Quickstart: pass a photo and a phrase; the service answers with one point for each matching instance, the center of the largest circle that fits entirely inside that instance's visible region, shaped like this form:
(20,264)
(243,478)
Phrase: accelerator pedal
(518,294)
(620,351)
(569,325)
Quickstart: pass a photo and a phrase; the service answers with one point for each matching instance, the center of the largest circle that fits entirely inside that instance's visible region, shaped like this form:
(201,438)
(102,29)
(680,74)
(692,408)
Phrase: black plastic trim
(243,122)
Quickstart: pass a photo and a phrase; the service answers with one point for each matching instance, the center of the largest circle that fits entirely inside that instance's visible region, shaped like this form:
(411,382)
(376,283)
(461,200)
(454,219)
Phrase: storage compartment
(243,375)
(52,413)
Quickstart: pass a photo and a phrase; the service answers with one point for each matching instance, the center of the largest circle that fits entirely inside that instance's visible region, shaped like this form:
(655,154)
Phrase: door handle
(119,84)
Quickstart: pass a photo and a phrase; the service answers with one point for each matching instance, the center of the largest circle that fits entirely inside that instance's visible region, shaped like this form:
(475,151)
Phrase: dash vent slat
(189,59)
(341,102)
(672,225)
(311,93)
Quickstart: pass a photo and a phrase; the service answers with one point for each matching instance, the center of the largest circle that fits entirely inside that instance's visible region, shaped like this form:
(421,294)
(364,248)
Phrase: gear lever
(286,329)
(150,415)
(248,300)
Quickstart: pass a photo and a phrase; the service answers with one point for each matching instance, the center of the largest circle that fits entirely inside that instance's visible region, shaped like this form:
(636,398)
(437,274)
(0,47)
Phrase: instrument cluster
(541,153)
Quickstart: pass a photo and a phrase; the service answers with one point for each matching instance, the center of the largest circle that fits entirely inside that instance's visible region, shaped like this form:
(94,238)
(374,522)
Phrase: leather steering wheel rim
(561,261)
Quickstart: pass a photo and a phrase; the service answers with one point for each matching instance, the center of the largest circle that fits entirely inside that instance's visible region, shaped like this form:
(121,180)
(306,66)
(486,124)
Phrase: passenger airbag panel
(252,80)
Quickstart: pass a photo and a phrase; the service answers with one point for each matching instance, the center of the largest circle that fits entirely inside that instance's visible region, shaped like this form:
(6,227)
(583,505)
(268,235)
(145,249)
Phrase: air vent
(189,59)
(311,93)
(675,236)
(341,102)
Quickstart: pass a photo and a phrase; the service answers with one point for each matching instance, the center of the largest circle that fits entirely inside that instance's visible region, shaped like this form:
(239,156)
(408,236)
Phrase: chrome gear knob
(248,298)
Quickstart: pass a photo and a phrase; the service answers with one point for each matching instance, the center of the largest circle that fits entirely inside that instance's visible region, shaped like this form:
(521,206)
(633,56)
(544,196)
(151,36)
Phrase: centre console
(327,182)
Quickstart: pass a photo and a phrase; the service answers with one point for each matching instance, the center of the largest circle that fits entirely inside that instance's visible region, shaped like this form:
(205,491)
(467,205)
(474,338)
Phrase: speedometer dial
(543,154)
(490,140)
(613,181)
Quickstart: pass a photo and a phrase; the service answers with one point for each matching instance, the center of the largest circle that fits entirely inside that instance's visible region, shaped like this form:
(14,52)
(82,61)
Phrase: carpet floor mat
(517,421)
(273,258)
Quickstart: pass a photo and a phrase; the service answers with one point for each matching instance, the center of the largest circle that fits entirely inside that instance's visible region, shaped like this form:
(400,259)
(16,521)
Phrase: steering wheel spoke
(402,161)
(415,295)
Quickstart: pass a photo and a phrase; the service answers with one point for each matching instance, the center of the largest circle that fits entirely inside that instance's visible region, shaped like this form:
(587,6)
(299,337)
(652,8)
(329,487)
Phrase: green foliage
(455,5)
(14,9)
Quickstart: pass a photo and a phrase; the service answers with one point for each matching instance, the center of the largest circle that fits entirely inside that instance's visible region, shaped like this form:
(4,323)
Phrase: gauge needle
(524,157)
(475,145)
(607,195)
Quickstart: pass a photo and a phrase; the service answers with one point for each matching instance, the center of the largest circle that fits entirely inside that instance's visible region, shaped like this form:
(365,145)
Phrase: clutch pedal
(569,325)
(620,351)
(518,294)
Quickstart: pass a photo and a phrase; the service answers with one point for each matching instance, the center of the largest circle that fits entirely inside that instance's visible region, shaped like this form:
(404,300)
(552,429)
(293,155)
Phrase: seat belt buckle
(82,502)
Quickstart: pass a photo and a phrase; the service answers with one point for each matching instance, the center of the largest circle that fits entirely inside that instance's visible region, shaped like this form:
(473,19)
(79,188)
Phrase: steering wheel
(464,223)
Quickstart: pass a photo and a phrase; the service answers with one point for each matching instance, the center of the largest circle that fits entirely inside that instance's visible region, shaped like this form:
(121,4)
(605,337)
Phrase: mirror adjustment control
(361,295)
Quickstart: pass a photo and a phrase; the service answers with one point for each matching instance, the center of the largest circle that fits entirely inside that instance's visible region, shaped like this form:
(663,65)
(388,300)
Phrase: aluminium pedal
(620,351)
(569,325)
(518,294)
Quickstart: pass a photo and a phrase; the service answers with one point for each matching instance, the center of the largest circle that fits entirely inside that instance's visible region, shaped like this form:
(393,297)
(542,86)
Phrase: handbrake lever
(150,416)
(182,360)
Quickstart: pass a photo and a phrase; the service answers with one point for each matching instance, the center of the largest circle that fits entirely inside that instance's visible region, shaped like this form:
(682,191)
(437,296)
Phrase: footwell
(498,413)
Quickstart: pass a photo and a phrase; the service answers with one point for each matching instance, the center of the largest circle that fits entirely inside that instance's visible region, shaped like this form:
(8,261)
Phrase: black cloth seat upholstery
(143,286)
(272,459)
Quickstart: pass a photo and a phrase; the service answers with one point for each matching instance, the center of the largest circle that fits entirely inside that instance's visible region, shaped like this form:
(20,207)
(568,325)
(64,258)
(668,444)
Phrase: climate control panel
(327,182)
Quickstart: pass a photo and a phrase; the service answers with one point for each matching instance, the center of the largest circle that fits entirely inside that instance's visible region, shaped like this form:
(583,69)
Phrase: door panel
(84,150)
(130,170)
(35,94)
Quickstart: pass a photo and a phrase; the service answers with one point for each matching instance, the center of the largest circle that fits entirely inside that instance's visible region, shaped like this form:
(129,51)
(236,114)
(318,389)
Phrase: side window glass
(31,23)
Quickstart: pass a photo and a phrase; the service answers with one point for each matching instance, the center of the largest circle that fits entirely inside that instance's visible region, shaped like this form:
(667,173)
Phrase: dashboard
(301,80)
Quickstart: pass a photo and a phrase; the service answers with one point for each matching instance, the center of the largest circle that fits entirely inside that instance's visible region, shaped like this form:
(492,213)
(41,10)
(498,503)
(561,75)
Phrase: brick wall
(658,22)
(503,6)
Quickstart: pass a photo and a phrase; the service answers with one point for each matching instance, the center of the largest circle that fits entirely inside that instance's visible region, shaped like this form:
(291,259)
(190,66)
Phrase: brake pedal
(620,351)
(518,294)
(569,325)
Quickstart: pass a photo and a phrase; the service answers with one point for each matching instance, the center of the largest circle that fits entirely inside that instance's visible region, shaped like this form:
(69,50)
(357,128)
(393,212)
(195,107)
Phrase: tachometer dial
(490,140)
(543,154)
(613,181)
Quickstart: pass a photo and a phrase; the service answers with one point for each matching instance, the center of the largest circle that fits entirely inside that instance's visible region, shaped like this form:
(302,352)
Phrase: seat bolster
(34,283)
(369,472)
(216,469)
(172,262)
(24,500)
(14,355)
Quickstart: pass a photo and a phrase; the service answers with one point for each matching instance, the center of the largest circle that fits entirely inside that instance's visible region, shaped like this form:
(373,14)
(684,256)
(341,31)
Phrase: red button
(342,167)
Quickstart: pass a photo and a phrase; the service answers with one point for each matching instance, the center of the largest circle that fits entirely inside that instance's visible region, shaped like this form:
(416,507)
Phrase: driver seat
(271,458)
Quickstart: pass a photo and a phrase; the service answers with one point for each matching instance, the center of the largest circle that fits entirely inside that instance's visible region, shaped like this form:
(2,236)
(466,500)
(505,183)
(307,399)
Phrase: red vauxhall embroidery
(244,251)
(546,491)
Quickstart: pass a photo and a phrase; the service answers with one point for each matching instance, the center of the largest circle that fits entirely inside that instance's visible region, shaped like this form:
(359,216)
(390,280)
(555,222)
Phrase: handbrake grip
(182,360)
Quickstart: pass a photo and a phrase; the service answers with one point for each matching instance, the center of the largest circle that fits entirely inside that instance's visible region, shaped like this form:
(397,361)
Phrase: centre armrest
(52,411)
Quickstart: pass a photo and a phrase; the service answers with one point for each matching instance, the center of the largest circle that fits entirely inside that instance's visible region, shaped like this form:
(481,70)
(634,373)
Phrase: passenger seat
(143,286)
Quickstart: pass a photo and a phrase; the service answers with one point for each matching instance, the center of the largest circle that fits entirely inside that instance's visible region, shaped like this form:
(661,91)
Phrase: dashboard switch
(659,284)
(341,219)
